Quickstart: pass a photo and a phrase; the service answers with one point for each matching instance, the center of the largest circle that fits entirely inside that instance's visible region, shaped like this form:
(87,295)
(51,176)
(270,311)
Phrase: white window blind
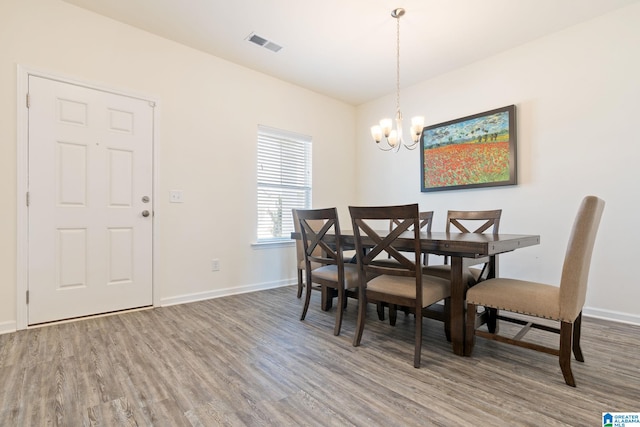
(284,181)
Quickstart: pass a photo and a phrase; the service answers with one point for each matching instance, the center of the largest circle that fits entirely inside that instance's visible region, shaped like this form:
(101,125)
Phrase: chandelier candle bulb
(386,125)
(417,123)
(376,133)
(393,138)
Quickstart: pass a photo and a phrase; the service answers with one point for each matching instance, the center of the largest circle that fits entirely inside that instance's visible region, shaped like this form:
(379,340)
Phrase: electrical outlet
(175,196)
(215,265)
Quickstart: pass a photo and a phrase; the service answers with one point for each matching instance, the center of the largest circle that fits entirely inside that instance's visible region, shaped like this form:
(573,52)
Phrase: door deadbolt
(145,199)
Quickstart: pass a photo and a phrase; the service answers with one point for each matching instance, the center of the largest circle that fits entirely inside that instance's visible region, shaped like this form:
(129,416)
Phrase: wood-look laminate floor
(247,360)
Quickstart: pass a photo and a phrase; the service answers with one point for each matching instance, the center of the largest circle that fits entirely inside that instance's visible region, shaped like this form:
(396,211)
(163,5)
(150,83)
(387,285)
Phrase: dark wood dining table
(464,250)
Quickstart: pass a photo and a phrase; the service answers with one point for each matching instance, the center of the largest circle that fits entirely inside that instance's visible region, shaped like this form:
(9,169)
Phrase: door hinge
(28,101)
(28,200)
(27,297)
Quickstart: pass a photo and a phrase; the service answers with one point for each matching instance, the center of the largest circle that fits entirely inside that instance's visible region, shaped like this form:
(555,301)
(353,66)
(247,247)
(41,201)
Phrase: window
(284,181)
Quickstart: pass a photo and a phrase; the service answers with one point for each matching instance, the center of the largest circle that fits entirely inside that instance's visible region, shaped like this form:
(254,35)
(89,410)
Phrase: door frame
(22,176)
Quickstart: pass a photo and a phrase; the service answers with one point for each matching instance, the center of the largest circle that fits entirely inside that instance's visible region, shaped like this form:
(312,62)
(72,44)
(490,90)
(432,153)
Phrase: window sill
(269,244)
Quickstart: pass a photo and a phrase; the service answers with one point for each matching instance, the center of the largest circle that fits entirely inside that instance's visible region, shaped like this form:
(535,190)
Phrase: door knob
(145,213)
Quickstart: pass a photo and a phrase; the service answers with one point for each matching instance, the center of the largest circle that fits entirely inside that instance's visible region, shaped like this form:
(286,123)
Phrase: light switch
(175,196)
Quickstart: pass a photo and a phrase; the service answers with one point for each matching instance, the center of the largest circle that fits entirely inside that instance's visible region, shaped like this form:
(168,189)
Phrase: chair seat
(433,288)
(330,272)
(314,265)
(518,296)
(444,271)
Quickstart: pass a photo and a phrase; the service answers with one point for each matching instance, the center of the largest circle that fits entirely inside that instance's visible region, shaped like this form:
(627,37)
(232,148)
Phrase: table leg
(458,290)
(326,301)
(492,313)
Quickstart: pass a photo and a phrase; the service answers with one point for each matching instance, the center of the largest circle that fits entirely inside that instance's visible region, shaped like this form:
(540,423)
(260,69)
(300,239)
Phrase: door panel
(90,165)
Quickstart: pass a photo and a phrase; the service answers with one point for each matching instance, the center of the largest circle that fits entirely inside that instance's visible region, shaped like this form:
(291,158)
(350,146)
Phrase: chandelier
(393,136)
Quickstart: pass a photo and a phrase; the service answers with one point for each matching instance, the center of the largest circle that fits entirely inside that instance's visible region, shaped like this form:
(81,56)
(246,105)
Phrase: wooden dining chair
(320,232)
(487,221)
(300,260)
(561,303)
(426,220)
(401,285)
(468,222)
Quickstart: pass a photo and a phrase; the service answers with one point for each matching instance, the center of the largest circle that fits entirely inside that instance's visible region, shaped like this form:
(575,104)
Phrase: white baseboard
(8,327)
(217,293)
(614,316)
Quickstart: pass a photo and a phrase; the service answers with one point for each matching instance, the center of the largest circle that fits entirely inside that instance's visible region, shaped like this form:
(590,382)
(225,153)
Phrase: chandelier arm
(411,146)
(391,147)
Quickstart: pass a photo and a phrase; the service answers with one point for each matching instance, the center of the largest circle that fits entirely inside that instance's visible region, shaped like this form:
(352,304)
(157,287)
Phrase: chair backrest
(463,219)
(320,231)
(481,220)
(426,220)
(299,244)
(371,243)
(575,270)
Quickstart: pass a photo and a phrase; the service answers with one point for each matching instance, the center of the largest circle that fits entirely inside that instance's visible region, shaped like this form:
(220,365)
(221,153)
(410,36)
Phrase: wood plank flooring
(247,360)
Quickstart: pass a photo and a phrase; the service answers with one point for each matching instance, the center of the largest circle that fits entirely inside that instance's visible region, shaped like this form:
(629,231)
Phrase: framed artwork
(470,152)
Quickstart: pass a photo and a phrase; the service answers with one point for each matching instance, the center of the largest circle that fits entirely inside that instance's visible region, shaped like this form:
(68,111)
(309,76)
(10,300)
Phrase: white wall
(209,112)
(577,95)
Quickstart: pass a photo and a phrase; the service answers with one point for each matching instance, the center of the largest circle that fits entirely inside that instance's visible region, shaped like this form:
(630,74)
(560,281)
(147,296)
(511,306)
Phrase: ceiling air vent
(261,41)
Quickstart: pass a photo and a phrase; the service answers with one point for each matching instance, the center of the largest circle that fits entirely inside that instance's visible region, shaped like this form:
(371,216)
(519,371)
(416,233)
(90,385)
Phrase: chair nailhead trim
(514,311)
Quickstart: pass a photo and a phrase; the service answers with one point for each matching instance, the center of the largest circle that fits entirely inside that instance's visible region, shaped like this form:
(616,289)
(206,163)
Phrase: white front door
(90,208)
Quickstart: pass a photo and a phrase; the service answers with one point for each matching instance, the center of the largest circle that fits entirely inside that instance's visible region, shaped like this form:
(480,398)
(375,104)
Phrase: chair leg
(339,310)
(577,351)
(418,350)
(470,329)
(492,319)
(380,309)
(393,314)
(327,298)
(307,297)
(362,311)
(566,333)
(447,318)
(300,284)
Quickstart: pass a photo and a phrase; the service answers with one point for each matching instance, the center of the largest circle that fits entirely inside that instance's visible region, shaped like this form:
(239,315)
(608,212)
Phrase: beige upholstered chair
(560,303)
(402,284)
(320,230)
(301,265)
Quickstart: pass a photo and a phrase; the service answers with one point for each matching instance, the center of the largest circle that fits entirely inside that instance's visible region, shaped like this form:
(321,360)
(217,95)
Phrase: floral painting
(474,151)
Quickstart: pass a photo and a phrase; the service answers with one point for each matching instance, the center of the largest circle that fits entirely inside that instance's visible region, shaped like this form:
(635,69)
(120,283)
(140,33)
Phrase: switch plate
(175,196)
(215,265)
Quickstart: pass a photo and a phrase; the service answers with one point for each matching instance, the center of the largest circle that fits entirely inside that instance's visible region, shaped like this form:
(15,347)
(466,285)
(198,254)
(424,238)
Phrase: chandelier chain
(398,64)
